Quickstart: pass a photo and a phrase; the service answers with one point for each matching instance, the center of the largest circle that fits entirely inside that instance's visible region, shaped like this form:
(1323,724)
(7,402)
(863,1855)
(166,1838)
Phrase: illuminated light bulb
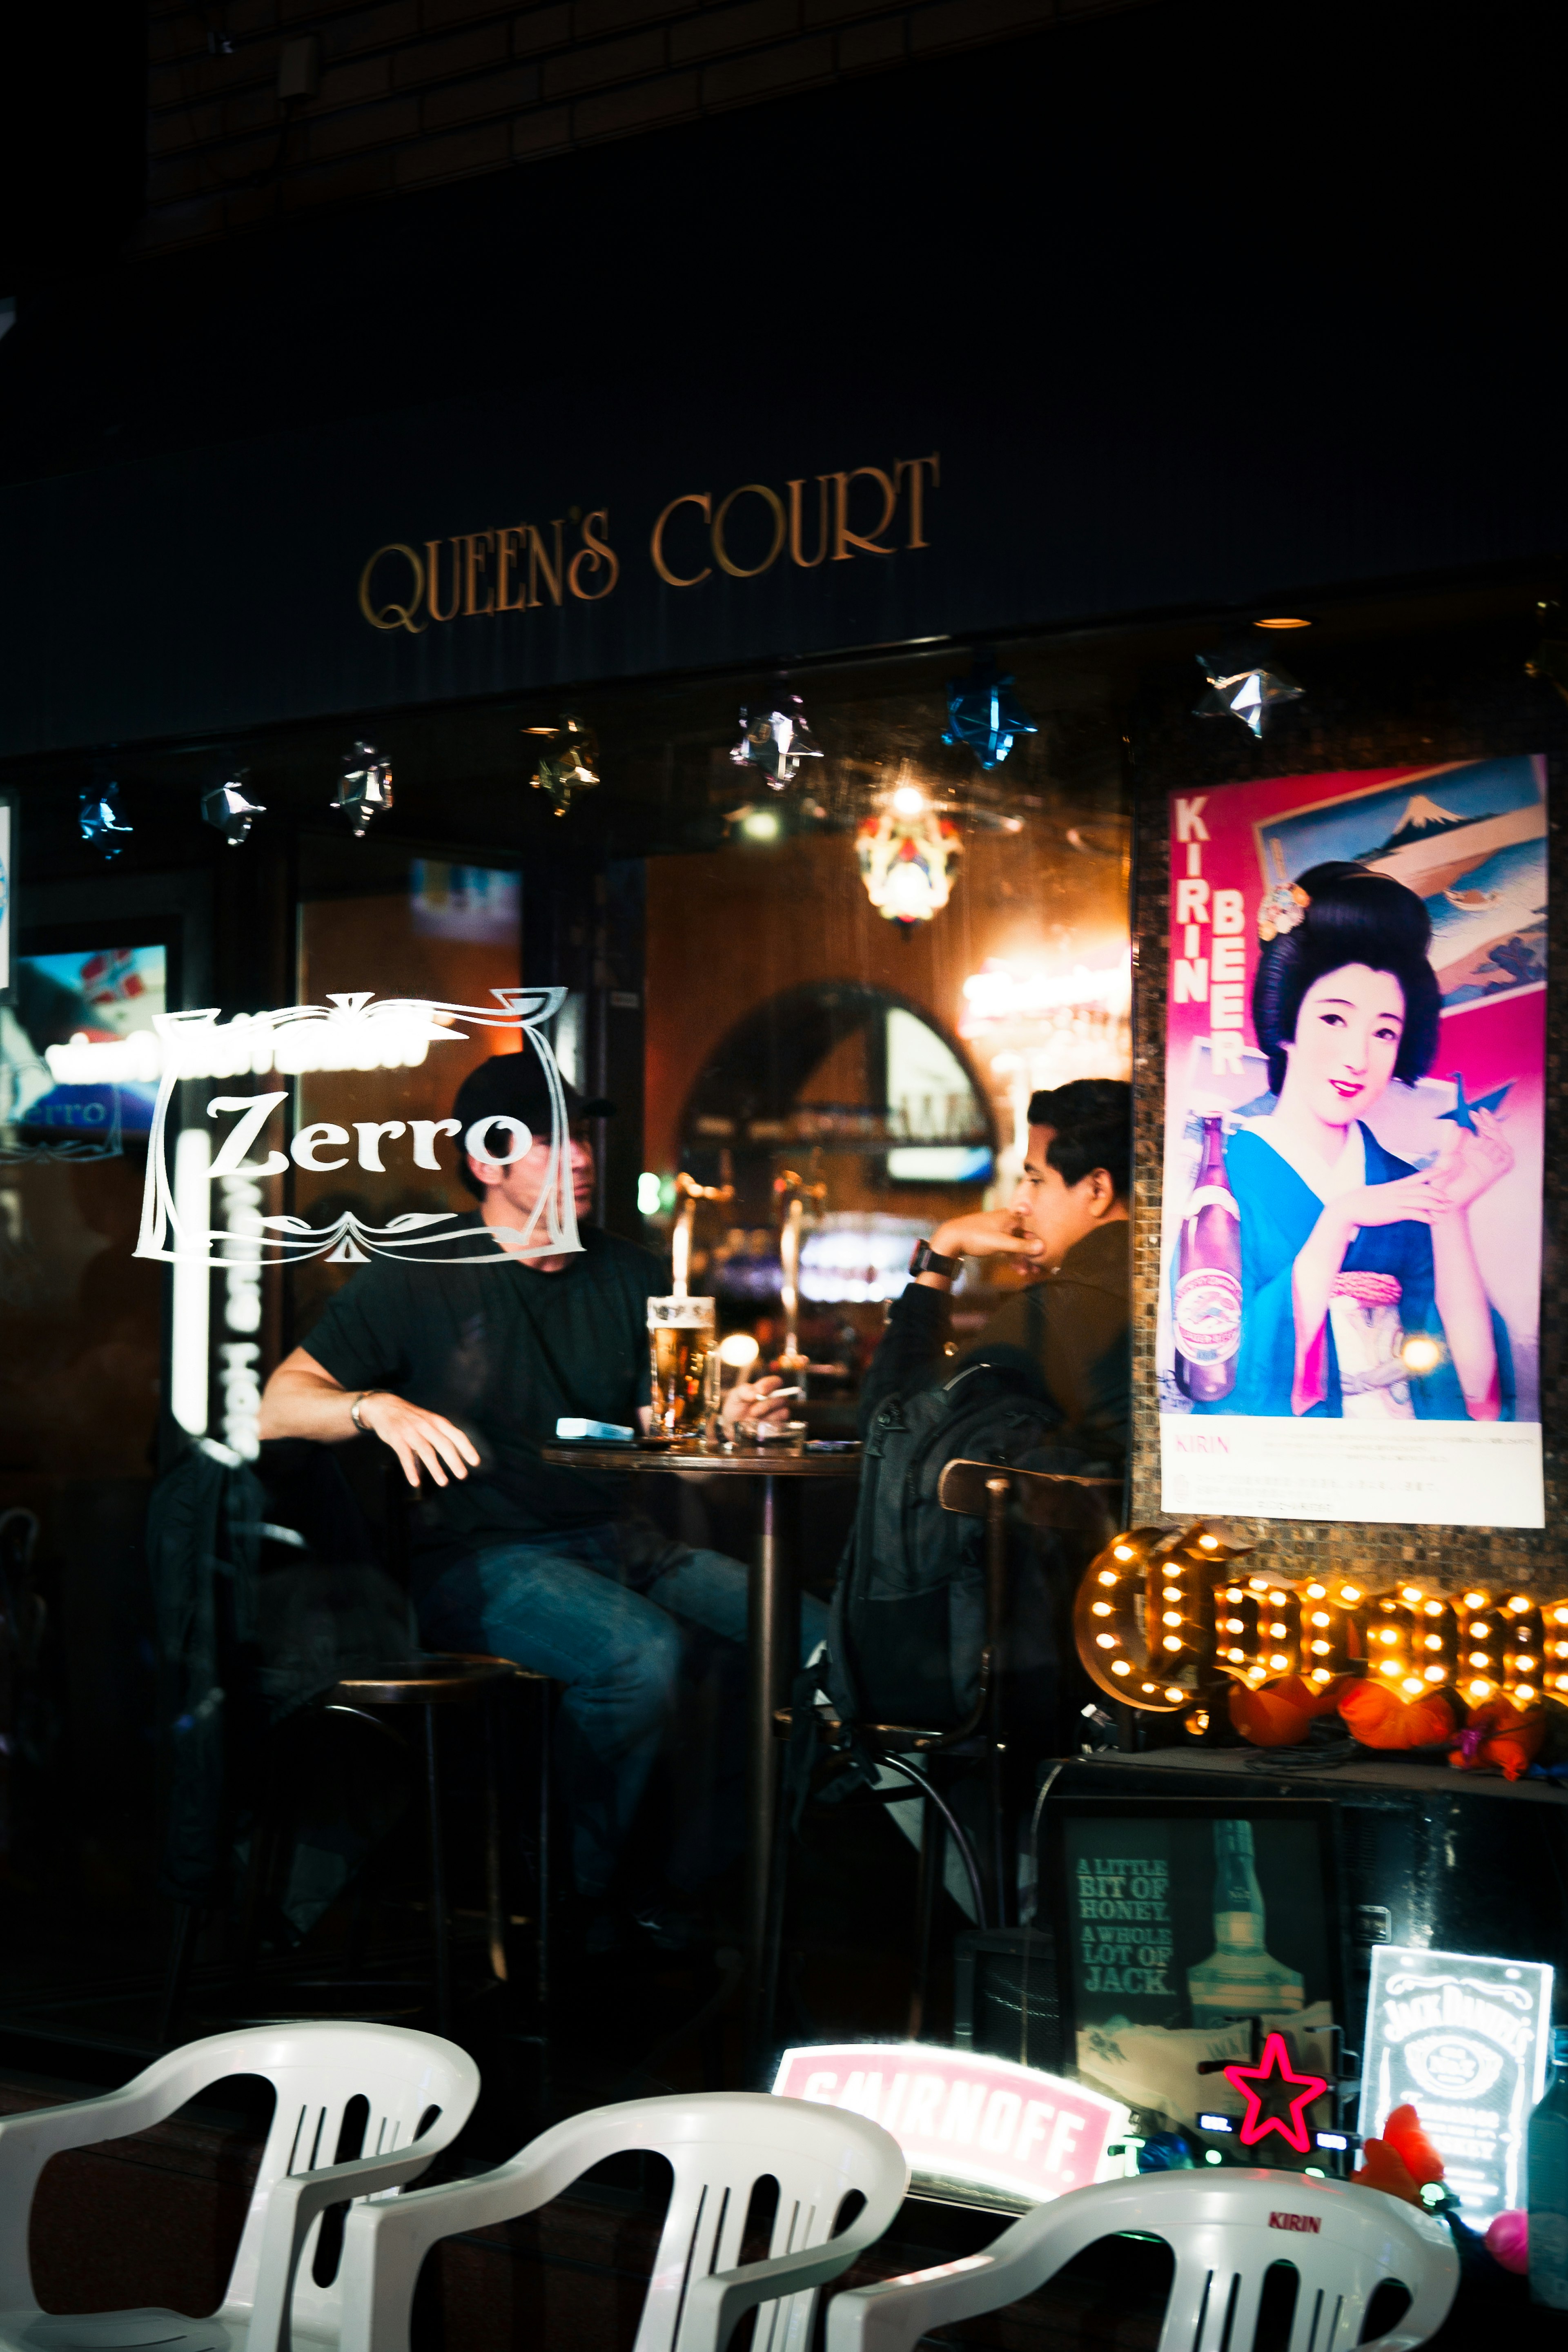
(1146,1687)
(1433,1641)
(1171,1641)
(1119,1666)
(1410,1687)
(1519,1604)
(1322,1617)
(1475,1599)
(1109,1576)
(1434,1673)
(1122,1551)
(1233,1592)
(1209,1543)
(1480,1658)
(1559,1649)
(1388,1633)
(1317,1592)
(1560,1616)
(1480,1690)
(1420,1355)
(1173,1593)
(909,801)
(1233,1625)
(1238,1657)
(1322,1649)
(759,825)
(1525,1693)
(1562,1681)
(1255,1673)
(1319,1674)
(1106,1642)
(1480,1633)
(1349,1593)
(1171,1617)
(738,1350)
(1278,1632)
(1101,1608)
(1410,1592)
(1174,1694)
(1388,1665)
(1433,1609)
(1258,1584)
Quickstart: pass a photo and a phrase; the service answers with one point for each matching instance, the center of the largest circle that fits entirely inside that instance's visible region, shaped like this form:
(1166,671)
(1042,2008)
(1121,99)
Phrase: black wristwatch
(925,1260)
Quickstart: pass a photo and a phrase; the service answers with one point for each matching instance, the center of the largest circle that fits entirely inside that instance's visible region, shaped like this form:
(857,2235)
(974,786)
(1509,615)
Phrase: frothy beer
(680,1345)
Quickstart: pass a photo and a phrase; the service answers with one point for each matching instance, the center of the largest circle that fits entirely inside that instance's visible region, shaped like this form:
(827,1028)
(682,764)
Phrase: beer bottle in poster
(1207,1306)
(1240,1978)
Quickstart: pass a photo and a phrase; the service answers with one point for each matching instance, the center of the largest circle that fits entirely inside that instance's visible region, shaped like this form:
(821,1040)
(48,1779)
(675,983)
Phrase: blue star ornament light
(1241,687)
(1460,1114)
(98,814)
(985,714)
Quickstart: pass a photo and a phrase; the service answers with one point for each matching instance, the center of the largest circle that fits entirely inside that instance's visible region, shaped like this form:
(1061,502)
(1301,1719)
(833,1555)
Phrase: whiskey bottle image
(1240,1978)
(1207,1303)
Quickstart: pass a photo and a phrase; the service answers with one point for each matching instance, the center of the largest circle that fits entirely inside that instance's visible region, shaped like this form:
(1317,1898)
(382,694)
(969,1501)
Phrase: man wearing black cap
(463,1370)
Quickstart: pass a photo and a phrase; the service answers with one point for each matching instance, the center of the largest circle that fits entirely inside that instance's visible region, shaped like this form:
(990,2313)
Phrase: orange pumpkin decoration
(1403,2133)
(1502,1735)
(1276,1715)
(1379,1717)
(1383,2168)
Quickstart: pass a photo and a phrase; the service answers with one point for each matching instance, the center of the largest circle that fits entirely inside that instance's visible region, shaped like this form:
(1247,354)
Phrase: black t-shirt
(503,1350)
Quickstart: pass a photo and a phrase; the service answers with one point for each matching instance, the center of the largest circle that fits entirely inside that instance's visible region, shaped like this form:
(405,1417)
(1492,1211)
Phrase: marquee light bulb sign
(1162,1614)
(250,1136)
(1464,2040)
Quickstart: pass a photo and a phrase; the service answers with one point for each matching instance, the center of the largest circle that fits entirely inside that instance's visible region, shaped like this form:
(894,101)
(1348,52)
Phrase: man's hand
(419,1438)
(750,1404)
(988,1232)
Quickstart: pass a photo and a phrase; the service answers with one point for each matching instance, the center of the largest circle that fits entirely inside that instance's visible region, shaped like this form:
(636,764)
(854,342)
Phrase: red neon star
(1274,2072)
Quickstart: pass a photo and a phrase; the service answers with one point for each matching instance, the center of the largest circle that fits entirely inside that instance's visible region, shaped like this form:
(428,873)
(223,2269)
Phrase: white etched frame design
(415,1238)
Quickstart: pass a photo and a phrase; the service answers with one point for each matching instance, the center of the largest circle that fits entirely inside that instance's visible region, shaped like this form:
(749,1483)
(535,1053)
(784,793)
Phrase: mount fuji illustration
(1431,849)
(1422,819)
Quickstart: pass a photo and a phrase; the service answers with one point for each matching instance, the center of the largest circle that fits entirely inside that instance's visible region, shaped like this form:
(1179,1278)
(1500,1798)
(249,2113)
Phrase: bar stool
(452,1679)
(431,1684)
(1079,1509)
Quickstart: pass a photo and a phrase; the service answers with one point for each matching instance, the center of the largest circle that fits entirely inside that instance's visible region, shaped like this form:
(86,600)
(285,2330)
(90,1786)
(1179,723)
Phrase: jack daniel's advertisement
(1179,1933)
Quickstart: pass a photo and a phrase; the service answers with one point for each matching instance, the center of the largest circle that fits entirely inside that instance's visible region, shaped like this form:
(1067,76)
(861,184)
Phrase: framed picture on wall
(8,811)
(1193,1935)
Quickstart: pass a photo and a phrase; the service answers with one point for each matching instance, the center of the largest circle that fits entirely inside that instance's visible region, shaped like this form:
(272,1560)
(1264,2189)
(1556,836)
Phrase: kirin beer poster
(1355,1078)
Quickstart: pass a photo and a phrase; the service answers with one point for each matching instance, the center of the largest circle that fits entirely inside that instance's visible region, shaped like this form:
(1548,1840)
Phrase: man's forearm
(303,1404)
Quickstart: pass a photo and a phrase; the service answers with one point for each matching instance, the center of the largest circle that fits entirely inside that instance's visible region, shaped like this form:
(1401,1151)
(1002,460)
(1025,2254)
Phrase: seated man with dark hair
(462,1369)
(1067,1221)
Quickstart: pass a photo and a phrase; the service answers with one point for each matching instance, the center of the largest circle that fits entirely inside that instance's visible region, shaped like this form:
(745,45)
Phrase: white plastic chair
(409,2080)
(719,2143)
(1225,2228)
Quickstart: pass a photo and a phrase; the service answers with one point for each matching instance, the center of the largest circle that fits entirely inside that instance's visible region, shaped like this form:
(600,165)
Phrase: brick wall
(410,92)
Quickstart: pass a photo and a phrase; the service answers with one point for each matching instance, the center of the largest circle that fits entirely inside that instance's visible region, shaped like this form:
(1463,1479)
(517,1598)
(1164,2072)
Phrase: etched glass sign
(253,1134)
(1464,2041)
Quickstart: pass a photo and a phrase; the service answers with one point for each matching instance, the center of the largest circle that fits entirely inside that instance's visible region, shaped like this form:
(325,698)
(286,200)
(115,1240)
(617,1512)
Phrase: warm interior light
(1106,1641)
(1173,1591)
(1119,1666)
(1434,1673)
(1237,1657)
(1480,1658)
(1319,1674)
(1388,1665)
(1480,1633)
(1258,1584)
(1101,1608)
(1410,1592)
(1433,1609)
(1420,1354)
(1175,1695)
(759,825)
(1109,1576)
(1475,1599)
(909,800)
(1480,1690)
(1322,1649)
(1317,1592)
(1209,1543)
(1349,1593)
(1171,1617)
(1433,1641)
(1322,1617)
(1278,1633)
(1122,1551)
(1173,1641)
(1284,621)
(1410,1686)
(1233,1592)
(1233,1625)
(1278,1664)
(1519,1604)
(738,1350)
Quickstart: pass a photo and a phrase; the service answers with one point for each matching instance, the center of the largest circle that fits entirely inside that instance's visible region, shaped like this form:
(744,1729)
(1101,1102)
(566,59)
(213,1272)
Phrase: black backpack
(908,1621)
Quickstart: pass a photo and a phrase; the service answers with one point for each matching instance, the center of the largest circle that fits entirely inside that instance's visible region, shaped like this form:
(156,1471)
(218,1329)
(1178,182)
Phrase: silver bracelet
(353,1411)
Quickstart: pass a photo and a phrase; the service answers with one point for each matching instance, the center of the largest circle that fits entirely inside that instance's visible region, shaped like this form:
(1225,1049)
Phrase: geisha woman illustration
(1362,1296)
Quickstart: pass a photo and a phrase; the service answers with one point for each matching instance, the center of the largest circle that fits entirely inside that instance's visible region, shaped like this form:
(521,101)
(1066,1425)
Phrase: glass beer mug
(684,1365)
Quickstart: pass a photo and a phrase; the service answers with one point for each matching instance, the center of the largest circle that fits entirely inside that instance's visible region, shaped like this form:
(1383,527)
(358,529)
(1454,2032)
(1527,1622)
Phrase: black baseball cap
(513,1085)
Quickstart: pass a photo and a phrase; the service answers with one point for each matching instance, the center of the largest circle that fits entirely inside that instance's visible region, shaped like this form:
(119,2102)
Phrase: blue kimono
(1279,1211)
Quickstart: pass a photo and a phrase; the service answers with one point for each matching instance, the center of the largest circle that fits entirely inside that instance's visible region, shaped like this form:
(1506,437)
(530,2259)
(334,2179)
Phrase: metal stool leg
(495,1890)
(931,1870)
(442,1946)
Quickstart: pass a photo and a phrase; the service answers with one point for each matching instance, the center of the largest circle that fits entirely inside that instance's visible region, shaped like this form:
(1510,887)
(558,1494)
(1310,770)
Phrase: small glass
(684,1365)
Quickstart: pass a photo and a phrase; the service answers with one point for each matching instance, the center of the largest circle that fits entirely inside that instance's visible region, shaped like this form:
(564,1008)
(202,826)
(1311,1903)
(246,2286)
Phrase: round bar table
(773,1637)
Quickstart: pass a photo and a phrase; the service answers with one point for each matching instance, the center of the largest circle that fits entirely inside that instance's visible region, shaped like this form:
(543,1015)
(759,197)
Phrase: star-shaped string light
(1460,1114)
(1267,2109)
(1242,686)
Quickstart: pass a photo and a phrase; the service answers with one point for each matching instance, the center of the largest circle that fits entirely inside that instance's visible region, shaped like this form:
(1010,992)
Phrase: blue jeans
(597,1609)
